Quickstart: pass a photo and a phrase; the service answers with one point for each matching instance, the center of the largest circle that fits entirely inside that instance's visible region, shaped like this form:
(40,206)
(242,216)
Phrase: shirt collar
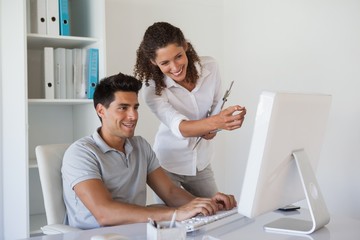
(104,147)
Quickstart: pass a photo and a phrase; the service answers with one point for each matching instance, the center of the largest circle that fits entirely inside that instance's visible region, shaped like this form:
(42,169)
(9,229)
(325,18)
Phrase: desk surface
(341,228)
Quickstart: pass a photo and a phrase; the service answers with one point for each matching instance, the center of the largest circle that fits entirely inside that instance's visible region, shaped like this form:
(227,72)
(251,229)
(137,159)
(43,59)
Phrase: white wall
(1,141)
(127,21)
(310,46)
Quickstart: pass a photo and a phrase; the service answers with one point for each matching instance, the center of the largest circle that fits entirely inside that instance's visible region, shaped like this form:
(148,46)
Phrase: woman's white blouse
(176,104)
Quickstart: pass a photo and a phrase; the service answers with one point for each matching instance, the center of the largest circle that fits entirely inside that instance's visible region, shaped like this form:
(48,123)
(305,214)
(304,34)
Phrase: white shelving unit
(60,120)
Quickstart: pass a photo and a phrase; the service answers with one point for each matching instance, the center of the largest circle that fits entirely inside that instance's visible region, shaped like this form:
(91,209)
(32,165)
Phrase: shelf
(52,121)
(38,41)
(59,101)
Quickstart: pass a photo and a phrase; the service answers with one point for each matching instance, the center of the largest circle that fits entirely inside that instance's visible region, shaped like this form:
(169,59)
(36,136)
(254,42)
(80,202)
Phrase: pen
(226,95)
(153,222)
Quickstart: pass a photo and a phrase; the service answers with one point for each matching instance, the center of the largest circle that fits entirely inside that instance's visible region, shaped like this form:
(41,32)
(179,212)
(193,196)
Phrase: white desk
(339,228)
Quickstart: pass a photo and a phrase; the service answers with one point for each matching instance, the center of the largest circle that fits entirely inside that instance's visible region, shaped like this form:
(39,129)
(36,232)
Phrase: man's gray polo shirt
(124,175)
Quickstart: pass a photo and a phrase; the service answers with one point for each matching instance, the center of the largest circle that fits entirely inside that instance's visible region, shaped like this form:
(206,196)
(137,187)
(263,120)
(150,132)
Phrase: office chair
(49,159)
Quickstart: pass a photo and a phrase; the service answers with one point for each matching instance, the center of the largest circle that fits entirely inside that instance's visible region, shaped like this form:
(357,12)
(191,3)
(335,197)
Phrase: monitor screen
(285,149)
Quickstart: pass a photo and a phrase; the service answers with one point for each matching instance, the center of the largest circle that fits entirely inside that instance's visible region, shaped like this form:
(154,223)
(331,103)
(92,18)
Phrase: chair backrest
(49,158)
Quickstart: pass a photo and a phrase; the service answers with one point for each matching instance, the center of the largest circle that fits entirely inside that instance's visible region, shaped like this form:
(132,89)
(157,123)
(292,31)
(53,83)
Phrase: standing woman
(181,88)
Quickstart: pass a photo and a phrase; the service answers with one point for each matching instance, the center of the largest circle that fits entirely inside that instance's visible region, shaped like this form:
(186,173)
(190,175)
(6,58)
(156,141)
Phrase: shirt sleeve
(163,110)
(79,164)
(153,162)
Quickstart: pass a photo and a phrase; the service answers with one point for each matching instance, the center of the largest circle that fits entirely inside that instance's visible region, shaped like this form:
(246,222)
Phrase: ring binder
(49,91)
(38,16)
(93,71)
(52,17)
(64,17)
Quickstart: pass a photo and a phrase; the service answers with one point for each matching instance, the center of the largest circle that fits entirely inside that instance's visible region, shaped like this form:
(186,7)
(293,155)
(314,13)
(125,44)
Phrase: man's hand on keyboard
(224,201)
(206,206)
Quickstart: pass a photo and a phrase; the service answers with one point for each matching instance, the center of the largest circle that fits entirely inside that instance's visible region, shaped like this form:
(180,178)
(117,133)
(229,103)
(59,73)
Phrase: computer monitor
(285,149)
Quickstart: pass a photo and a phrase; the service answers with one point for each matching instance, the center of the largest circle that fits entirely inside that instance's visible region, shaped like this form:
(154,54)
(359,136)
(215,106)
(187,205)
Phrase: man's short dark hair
(105,90)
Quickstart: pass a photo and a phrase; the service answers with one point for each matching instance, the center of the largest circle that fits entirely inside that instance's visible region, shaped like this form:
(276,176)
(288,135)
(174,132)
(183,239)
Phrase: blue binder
(93,71)
(64,18)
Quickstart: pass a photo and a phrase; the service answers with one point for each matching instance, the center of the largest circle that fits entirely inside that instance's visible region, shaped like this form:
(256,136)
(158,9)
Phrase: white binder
(83,93)
(69,73)
(49,91)
(79,79)
(38,16)
(52,15)
(60,72)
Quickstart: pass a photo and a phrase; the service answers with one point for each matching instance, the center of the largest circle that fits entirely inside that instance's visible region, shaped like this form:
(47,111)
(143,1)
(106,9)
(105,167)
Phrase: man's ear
(100,110)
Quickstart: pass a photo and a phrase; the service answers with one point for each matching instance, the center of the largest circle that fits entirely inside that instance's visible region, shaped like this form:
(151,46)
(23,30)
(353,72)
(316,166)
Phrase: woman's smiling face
(172,61)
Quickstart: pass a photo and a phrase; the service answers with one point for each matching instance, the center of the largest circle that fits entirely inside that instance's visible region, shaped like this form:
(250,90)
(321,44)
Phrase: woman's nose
(174,66)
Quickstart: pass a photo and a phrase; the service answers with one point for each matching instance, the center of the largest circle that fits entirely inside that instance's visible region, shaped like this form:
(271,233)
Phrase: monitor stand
(317,208)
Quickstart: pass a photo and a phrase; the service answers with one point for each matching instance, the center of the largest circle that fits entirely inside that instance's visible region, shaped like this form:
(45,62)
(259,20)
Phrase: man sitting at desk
(105,174)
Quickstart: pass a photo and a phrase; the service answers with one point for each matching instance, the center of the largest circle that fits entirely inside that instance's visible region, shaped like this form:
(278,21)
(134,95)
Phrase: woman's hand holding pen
(230,118)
